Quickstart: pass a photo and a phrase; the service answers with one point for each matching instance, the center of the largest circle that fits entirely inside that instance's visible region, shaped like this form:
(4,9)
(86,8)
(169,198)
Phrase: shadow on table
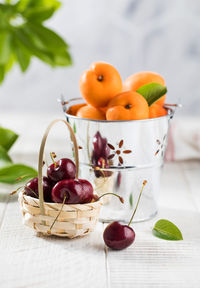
(90,242)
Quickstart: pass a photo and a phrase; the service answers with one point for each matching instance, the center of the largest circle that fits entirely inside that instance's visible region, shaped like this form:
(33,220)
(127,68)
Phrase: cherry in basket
(31,188)
(62,169)
(72,191)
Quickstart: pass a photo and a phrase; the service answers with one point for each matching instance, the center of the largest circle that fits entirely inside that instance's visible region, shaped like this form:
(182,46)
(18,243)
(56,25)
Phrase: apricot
(139,79)
(100,84)
(127,106)
(156,110)
(74,108)
(90,112)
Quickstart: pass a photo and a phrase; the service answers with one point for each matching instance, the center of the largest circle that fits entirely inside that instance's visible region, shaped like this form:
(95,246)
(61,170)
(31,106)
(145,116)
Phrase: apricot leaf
(152,92)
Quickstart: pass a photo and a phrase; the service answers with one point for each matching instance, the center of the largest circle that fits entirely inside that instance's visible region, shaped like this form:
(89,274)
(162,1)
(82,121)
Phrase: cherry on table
(62,169)
(118,236)
(31,188)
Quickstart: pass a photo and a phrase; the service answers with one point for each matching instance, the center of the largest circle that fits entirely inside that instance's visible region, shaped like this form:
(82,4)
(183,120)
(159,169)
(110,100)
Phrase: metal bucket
(134,152)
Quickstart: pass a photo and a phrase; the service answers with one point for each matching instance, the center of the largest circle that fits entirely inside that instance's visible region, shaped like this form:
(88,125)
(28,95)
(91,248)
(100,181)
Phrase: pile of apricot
(108,98)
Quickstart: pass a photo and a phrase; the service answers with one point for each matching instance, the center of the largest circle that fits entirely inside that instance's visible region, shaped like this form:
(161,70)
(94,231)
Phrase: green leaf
(152,92)
(27,41)
(27,5)
(39,14)
(10,173)
(131,200)
(74,128)
(7,138)
(23,55)
(2,73)
(10,62)
(166,230)
(5,160)
(50,40)
(63,59)
(5,47)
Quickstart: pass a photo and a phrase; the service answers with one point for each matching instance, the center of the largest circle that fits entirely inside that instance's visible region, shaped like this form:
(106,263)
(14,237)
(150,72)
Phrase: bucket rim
(67,104)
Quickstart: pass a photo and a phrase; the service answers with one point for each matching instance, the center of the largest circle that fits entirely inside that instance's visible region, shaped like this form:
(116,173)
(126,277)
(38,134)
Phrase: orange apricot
(90,112)
(139,79)
(127,106)
(74,108)
(156,110)
(100,83)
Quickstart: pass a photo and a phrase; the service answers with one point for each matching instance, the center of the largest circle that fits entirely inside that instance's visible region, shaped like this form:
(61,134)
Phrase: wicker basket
(68,220)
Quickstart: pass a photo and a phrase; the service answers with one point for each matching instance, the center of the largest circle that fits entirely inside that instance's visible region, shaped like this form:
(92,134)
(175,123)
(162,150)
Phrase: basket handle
(41,155)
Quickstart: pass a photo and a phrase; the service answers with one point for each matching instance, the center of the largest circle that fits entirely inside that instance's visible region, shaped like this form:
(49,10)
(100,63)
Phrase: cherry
(97,144)
(100,148)
(87,191)
(73,191)
(102,164)
(62,169)
(118,236)
(31,188)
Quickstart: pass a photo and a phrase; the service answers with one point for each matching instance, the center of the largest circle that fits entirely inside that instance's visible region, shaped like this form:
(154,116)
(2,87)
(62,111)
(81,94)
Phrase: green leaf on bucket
(131,200)
(10,173)
(152,92)
(74,127)
(7,138)
(166,230)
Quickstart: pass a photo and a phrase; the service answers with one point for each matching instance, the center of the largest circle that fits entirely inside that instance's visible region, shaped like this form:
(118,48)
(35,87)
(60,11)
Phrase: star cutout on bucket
(118,152)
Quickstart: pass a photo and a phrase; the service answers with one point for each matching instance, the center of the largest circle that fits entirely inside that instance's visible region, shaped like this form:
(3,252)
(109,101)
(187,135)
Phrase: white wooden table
(27,260)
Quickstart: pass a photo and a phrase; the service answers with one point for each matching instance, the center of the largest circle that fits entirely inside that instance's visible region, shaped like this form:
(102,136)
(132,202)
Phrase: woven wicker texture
(73,221)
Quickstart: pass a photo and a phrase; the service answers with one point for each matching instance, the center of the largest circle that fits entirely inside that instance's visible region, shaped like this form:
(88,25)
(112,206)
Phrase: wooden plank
(4,198)
(152,262)
(41,262)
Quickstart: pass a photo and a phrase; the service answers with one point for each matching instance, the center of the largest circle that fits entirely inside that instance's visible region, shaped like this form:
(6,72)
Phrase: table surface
(28,260)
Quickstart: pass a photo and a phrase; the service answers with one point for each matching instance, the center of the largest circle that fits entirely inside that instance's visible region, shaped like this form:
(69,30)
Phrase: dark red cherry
(87,191)
(100,147)
(97,144)
(102,164)
(62,169)
(117,236)
(31,188)
(75,191)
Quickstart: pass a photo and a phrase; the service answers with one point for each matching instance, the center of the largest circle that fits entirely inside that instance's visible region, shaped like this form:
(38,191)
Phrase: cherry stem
(63,203)
(22,177)
(144,183)
(52,158)
(14,192)
(109,193)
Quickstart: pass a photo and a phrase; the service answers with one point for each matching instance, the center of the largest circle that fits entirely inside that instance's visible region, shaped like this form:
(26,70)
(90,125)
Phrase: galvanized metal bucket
(134,152)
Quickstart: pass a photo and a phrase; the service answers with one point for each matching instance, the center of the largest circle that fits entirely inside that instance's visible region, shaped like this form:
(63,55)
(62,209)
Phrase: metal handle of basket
(41,155)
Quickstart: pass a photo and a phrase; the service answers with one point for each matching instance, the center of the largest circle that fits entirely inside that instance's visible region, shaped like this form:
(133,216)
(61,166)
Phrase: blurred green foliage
(9,171)
(23,35)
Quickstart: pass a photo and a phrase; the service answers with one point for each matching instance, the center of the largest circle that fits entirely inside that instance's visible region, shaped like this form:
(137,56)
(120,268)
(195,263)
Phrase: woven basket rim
(57,205)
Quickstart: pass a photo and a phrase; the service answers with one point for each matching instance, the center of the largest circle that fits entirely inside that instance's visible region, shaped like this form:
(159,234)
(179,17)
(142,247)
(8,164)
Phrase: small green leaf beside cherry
(166,230)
